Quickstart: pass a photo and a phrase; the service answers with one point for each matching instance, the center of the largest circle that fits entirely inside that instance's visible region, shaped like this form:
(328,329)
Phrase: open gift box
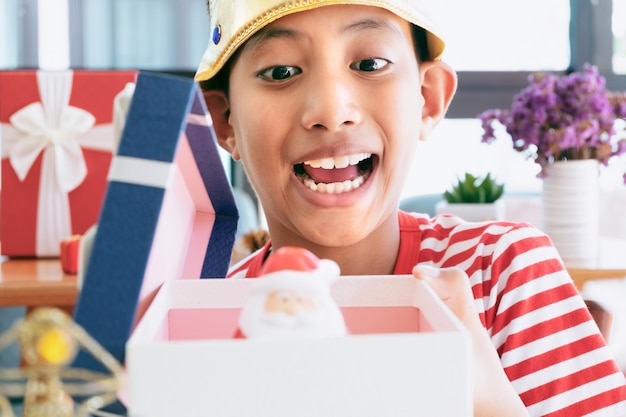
(406,355)
(168,212)
(167,220)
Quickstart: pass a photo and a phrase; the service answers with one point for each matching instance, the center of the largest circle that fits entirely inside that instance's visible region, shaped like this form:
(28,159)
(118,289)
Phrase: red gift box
(57,143)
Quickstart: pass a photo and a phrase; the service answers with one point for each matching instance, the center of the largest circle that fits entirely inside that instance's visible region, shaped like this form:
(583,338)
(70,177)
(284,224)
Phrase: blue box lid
(168,212)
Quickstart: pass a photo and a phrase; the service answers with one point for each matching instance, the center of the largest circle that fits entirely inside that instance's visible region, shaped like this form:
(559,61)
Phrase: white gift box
(406,355)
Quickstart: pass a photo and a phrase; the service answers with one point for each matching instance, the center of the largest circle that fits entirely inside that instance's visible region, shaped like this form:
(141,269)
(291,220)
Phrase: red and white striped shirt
(547,341)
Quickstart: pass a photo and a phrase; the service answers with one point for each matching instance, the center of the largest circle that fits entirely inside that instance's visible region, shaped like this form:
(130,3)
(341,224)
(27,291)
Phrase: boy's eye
(370,64)
(279,73)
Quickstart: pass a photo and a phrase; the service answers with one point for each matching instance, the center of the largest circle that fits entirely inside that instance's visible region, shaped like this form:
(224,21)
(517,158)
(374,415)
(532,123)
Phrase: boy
(323,102)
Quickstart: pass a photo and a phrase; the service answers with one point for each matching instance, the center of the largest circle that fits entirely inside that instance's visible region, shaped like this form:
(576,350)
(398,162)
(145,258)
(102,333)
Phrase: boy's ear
(439,83)
(219,107)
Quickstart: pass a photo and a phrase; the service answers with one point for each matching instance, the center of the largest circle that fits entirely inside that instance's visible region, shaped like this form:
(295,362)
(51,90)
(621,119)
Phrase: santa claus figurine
(292,299)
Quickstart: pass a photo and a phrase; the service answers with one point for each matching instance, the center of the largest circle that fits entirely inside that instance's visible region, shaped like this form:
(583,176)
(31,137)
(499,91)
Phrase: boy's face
(325,110)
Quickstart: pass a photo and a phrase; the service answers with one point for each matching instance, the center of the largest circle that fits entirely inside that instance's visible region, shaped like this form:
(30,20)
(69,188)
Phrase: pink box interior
(221,323)
(185,225)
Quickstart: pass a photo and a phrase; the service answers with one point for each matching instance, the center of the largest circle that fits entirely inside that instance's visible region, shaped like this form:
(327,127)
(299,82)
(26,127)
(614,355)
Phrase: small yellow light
(55,347)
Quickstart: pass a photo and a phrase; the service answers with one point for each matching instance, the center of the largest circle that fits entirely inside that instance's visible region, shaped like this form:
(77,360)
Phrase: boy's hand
(453,287)
(493,393)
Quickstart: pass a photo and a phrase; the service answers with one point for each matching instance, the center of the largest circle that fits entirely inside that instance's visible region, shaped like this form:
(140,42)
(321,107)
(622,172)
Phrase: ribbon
(58,130)
(144,172)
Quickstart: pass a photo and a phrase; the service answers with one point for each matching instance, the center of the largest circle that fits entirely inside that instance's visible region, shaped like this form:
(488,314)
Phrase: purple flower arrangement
(558,118)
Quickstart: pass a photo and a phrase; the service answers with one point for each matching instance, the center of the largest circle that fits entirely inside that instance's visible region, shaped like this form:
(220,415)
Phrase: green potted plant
(474,198)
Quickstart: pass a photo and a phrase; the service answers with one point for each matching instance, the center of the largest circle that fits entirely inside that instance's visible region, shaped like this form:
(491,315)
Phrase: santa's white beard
(325,320)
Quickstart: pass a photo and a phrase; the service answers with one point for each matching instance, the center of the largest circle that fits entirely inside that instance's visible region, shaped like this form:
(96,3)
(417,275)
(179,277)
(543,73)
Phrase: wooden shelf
(36,282)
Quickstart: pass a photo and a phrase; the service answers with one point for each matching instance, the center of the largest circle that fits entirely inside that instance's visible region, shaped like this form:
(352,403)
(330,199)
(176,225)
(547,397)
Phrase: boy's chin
(338,231)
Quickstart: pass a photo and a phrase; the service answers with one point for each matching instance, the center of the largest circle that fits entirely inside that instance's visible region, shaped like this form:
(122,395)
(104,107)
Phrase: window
(455,148)
(619,37)
(18,33)
(146,34)
(53,34)
(493,44)
(494,51)
(496,35)
(8,30)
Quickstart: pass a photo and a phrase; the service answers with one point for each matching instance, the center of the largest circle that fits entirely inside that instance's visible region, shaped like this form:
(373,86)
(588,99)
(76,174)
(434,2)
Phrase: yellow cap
(232,22)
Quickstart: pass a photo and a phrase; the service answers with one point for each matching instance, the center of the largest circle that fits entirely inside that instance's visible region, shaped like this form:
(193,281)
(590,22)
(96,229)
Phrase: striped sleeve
(548,343)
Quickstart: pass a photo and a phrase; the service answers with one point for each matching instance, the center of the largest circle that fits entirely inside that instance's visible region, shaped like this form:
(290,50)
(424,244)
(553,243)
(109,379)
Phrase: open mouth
(336,175)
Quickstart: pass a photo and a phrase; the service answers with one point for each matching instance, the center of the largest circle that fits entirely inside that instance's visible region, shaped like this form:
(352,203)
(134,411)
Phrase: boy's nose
(331,104)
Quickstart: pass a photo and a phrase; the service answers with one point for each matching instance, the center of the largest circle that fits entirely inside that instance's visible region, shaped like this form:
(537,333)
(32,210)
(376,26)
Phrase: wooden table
(41,282)
(580,276)
(611,263)
(35,283)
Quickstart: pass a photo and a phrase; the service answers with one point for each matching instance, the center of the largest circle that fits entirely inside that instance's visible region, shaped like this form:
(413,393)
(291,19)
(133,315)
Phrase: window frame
(477,90)
(28,42)
(481,90)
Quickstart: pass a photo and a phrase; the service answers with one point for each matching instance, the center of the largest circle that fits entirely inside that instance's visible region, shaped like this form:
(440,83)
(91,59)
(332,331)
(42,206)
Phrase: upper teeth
(339,161)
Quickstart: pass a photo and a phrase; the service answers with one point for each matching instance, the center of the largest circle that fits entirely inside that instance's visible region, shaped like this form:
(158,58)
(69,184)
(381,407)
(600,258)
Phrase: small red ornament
(70,253)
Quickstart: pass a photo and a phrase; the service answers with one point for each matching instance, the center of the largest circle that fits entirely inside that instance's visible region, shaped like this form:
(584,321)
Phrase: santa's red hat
(290,258)
(296,268)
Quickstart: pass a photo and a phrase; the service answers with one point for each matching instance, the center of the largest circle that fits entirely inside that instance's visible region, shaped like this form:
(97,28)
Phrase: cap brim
(231,28)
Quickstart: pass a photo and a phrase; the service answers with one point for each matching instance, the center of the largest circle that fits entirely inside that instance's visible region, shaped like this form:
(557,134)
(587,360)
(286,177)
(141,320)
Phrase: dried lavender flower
(558,118)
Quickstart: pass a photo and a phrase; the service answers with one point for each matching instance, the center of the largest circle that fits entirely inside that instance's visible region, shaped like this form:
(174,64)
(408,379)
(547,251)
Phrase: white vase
(473,212)
(571,204)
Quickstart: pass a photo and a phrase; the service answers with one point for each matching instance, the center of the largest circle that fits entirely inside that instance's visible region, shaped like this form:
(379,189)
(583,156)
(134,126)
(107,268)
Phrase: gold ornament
(49,341)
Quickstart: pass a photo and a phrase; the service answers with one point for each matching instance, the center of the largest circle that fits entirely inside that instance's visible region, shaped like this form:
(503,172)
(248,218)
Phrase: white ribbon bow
(58,130)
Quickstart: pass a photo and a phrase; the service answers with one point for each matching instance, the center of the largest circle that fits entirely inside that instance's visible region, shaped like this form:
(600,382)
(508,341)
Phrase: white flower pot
(473,212)
(571,204)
